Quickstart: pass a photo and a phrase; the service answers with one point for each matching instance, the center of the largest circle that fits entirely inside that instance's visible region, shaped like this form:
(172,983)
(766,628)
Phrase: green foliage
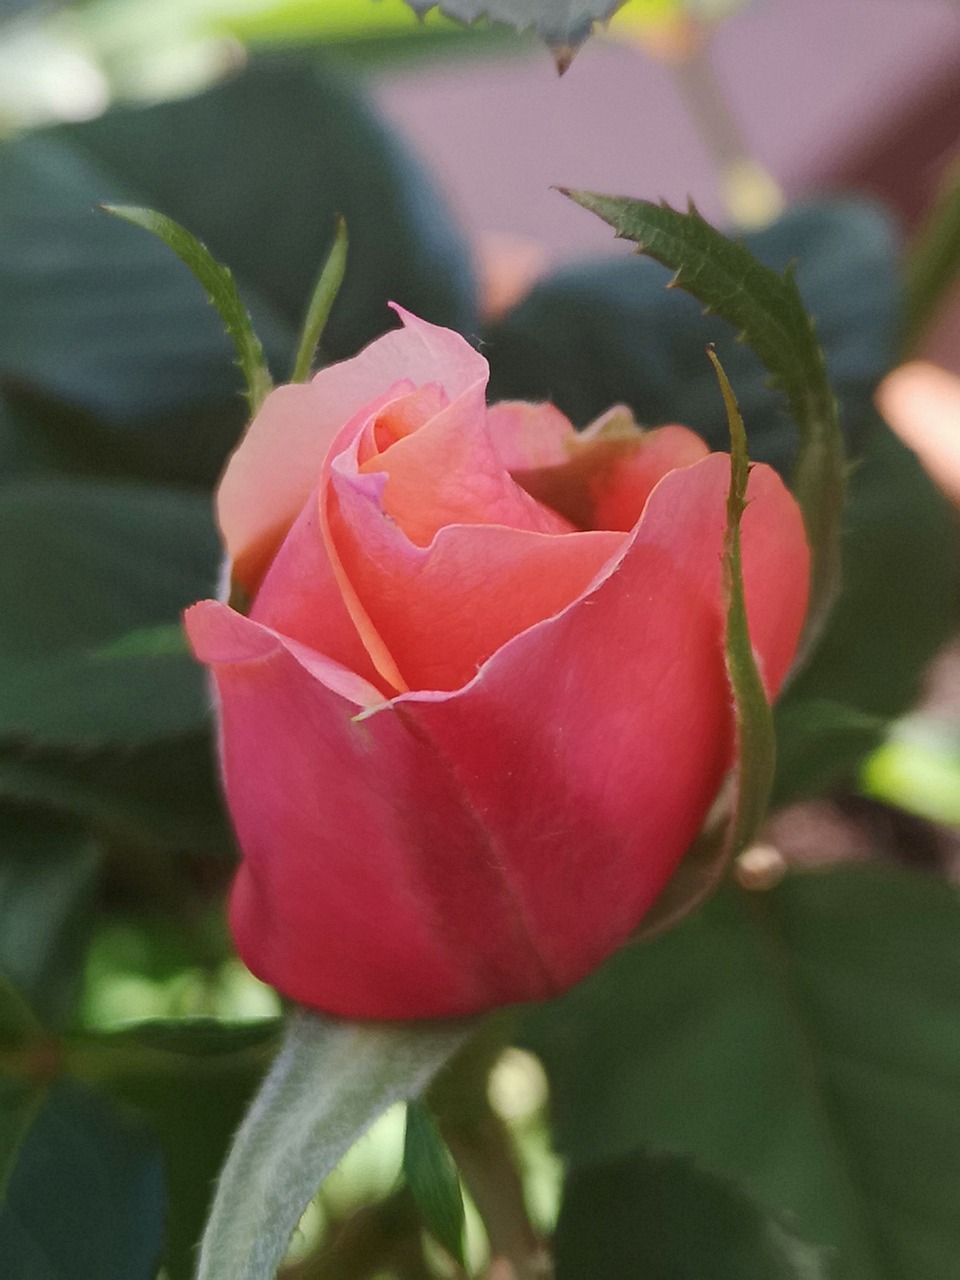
(84,1198)
(86,562)
(662,1217)
(769,314)
(592,335)
(220,288)
(48,871)
(805,1042)
(257,169)
(433,1180)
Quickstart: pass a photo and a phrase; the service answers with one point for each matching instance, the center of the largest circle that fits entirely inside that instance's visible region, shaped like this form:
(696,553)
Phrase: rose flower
(478,708)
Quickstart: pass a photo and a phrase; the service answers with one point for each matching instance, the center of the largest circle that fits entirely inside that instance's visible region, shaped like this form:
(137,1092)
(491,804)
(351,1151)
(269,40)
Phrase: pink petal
(449,472)
(366,887)
(528,436)
(276,466)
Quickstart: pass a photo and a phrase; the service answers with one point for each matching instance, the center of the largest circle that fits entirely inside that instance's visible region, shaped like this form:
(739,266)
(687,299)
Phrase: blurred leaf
(563,26)
(329,1083)
(433,1180)
(220,288)
(84,1199)
(191,1082)
(918,769)
(818,745)
(596,334)
(769,314)
(933,262)
(660,1217)
(162,793)
(105,320)
(84,563)
(48,872)
(805,1041)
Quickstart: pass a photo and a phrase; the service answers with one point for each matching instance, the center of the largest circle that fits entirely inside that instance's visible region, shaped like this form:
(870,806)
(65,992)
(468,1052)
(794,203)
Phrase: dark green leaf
(664,1219)
(220,288)
(819,744)
(433,1179)
(934,260)
(84,1199)
(192,1083)
(85,563)
(107,321)
(47,875)
(769,314)
(805,1041)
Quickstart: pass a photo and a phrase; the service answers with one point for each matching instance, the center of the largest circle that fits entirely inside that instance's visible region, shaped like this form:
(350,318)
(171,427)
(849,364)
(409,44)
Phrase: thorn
(563,55)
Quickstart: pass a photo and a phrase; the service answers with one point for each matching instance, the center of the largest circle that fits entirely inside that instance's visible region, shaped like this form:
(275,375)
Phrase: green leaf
(48,872)
(162,794)
(433,1180)
(329,1083)
(84,1199)
(321,304)
(918,769)
(85,563)
(220,288)
(819,744)
(111,324)
(933,261)
(656,1216)
(563,26)
(192,1083)
(804,1041)
(769,314)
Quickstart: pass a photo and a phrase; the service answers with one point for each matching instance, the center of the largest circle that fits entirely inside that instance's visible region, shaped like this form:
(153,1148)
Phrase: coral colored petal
(449,472)
(528,436)
(275,467)
(594,743)
(367,887)
(442,610)
(619,495)
(300,598)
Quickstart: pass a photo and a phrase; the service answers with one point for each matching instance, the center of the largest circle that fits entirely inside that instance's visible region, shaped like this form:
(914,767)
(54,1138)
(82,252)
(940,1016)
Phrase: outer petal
(277,463)
(367,887)
(528,436)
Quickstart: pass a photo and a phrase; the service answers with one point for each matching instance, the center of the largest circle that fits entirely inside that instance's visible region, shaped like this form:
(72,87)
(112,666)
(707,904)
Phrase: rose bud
(478,709)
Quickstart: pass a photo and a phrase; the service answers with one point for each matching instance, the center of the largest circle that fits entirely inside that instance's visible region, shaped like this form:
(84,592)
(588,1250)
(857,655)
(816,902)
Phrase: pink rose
(478,710)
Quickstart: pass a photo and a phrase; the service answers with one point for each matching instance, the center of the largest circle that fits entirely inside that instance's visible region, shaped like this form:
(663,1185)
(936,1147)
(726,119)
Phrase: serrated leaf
(804,1041)
(329,1083)
(769,313)
(563,24)
(433,1181)
(220,287)
(661,1216)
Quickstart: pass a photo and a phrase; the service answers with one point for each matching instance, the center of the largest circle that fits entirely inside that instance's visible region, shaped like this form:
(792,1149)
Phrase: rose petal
(366,887)
(528,436)
(275,467)
(449,472)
